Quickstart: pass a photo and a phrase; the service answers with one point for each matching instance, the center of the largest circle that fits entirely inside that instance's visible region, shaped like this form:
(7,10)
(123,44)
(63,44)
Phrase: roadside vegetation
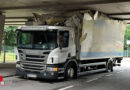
(9,44)
(127,37)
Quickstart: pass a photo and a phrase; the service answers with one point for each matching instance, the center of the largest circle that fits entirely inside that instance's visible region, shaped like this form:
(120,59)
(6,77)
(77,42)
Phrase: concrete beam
(71,3)
(29,17)
(112,14)
(14,24)
(125,18)
(14,21)
(104,2)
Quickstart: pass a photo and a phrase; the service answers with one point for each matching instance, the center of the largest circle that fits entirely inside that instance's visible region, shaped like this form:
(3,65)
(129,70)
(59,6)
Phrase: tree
(127,36)
(9,35)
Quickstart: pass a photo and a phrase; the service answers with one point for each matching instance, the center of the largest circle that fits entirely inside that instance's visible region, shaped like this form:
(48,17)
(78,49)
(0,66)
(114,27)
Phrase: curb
(7,65)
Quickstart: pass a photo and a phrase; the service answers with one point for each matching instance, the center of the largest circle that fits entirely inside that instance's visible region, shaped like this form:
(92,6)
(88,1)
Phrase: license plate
(32,75)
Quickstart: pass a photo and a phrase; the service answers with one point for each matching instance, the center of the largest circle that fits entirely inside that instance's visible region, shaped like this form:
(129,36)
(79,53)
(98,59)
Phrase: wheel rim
(70,72)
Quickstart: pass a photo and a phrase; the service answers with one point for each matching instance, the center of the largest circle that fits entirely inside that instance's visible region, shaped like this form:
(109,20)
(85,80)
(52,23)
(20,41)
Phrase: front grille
(35,60)
(35,56)
(34,63)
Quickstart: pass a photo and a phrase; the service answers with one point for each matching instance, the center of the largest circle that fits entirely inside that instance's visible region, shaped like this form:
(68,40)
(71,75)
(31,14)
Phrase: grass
(9,57)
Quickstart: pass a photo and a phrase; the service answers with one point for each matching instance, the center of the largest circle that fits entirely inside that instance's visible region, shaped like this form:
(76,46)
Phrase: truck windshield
(38,39)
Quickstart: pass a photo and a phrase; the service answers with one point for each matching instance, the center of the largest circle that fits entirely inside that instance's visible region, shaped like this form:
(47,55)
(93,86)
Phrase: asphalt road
(117,80)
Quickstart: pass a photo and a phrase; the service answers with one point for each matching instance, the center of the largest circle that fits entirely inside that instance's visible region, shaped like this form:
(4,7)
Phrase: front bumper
(42,75)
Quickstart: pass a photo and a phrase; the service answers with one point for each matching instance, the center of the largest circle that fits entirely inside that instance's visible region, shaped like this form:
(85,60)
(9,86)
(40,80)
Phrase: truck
(81,43)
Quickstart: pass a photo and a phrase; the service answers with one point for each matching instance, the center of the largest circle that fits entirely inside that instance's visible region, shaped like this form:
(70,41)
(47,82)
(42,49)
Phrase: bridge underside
(19,11)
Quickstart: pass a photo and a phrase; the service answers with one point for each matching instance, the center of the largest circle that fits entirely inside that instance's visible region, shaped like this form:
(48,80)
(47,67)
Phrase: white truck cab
(42,50)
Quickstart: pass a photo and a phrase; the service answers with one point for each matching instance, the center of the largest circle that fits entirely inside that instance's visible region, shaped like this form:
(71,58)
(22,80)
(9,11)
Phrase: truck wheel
(109,66)
(114,62)
(70,72)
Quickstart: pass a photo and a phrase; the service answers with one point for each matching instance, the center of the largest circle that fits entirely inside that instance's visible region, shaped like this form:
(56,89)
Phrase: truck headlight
(55,69)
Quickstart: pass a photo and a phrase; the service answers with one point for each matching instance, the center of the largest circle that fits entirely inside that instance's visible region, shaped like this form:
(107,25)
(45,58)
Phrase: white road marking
(92,80)
(66,87)
(109,75)
(119,72)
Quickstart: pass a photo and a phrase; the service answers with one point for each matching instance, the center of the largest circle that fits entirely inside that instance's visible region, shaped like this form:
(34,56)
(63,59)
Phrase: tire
(114,62)
(109,66)
(70,72)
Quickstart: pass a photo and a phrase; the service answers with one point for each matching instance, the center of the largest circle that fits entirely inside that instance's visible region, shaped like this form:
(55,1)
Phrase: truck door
(63,45)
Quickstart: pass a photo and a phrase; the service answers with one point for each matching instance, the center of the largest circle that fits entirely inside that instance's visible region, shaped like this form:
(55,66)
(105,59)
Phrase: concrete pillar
(2,22)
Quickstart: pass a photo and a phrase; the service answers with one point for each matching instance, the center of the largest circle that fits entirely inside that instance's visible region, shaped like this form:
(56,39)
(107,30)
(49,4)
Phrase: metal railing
(8,56)
(126,53)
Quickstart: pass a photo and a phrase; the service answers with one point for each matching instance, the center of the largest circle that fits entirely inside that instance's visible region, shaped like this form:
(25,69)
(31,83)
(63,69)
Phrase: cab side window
(63,39)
